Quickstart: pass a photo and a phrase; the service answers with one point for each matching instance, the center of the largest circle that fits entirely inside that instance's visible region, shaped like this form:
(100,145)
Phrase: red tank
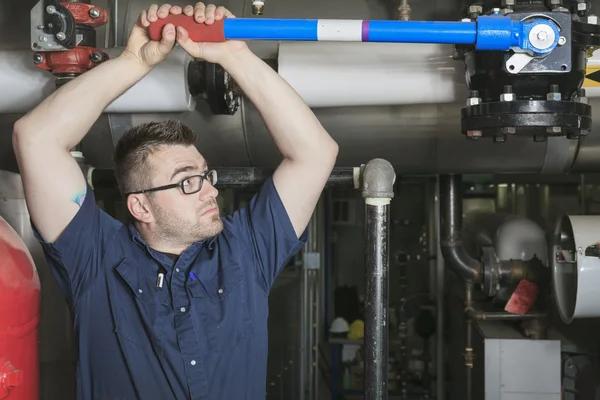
(19,318)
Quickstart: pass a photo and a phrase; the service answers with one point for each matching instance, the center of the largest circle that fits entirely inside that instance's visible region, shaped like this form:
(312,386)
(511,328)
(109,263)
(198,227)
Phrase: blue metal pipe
(494,32)
(423,32)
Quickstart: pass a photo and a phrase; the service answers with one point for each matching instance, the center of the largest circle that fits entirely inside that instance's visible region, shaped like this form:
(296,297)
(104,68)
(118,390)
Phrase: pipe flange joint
(378,179)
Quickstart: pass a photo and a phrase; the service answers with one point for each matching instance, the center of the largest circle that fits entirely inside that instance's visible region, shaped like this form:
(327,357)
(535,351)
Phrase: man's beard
(178,231)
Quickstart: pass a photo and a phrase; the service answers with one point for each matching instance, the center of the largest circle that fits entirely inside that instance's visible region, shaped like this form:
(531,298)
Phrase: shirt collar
(191,252)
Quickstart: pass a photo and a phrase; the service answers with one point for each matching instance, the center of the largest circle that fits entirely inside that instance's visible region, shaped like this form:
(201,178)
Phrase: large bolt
(38,58)
(554,94)
(592,19)
(61,36)
(554,130)
(507,97)
(96,57)
(478,10)
(474,134)
(94,13)
(50,9)
(258,7)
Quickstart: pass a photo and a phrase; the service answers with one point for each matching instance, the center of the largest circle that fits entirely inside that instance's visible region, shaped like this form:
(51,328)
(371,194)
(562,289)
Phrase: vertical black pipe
(376,307)
(469,356)
(378,182)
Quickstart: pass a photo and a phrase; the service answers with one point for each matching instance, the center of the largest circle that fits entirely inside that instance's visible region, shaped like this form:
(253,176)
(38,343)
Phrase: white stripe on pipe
(339,30)
(378,201)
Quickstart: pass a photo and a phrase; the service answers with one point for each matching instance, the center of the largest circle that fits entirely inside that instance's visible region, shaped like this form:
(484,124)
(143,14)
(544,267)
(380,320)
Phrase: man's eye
(186,182)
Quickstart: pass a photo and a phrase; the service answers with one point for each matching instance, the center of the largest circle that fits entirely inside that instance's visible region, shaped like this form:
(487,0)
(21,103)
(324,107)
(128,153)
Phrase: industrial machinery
(518,72)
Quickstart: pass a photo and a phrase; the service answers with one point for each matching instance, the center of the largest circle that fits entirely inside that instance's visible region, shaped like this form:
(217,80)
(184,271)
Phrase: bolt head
(508,3)
(38,58)
(553,96)
(50,9)
(258,9)
(554,129)
(475,9)
(474,134)
(592,19)
(581,6)
(94,13)
(473,101)
(508,130)
(61,36)
(96,57)
(562,40)
(507,97)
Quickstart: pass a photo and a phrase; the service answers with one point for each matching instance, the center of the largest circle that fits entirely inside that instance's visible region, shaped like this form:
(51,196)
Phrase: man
(173,306)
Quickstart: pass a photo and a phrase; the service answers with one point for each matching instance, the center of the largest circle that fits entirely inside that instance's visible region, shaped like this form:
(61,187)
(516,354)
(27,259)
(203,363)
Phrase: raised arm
(53,183)
(309,153)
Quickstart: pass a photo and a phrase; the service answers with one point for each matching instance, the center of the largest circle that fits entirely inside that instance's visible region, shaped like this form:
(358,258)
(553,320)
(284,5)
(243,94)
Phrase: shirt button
(193,362)
(140,290)
(220,291)
(182,309)
(177,269)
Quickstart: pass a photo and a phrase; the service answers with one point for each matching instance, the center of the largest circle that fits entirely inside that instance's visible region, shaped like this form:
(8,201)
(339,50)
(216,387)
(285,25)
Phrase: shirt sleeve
(265,230)
(76,256)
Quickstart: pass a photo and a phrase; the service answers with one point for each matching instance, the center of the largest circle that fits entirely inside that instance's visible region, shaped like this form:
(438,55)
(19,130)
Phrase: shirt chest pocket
(222,307)
(140,311)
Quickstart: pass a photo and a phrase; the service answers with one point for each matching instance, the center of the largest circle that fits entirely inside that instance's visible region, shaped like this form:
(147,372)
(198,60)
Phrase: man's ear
(139,207)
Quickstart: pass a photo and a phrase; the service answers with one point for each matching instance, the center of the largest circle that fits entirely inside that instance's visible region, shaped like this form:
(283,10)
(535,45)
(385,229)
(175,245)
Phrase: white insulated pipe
(164,89)
(334,74)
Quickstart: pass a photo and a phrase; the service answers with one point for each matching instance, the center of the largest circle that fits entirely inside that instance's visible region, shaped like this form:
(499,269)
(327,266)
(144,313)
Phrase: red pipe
(19,318)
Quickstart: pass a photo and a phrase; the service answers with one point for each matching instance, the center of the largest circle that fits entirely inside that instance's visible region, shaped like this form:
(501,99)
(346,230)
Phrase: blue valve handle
(495,32)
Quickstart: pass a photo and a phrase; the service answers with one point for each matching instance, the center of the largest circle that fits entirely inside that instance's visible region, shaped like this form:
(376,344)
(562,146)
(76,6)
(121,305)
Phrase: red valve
(83,57)
(87,14)
(198,32)
(10,377)
(75,61)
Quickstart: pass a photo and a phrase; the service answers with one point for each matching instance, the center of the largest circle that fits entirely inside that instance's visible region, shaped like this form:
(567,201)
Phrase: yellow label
(592,76)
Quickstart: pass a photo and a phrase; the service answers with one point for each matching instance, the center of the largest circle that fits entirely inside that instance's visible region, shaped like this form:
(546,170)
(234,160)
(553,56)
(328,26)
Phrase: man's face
(182,219)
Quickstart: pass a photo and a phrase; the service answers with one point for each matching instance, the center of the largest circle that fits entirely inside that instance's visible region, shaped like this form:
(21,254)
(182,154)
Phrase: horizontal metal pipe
(235,177)
(501,315)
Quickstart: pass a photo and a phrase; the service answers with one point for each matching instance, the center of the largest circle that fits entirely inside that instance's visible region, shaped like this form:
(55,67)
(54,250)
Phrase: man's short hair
(132,170)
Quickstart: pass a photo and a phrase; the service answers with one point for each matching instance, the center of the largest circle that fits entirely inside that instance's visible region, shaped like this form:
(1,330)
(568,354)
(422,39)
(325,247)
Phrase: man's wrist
(133,62)
(231,60)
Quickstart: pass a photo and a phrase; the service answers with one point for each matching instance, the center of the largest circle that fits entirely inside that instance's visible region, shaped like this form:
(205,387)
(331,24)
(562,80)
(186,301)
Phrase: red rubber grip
(198,32)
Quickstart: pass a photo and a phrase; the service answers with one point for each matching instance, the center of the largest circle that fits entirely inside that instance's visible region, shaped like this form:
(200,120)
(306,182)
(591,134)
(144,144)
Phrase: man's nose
(208,190)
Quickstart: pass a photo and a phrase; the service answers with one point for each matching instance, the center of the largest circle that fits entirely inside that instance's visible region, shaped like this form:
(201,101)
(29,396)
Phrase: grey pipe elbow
(378,179)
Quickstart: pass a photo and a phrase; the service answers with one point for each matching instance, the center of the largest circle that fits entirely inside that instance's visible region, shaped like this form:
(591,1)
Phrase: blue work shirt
(203,334)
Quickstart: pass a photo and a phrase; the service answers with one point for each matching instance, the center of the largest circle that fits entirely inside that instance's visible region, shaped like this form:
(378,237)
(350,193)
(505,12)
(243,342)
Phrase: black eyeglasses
(189,185)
